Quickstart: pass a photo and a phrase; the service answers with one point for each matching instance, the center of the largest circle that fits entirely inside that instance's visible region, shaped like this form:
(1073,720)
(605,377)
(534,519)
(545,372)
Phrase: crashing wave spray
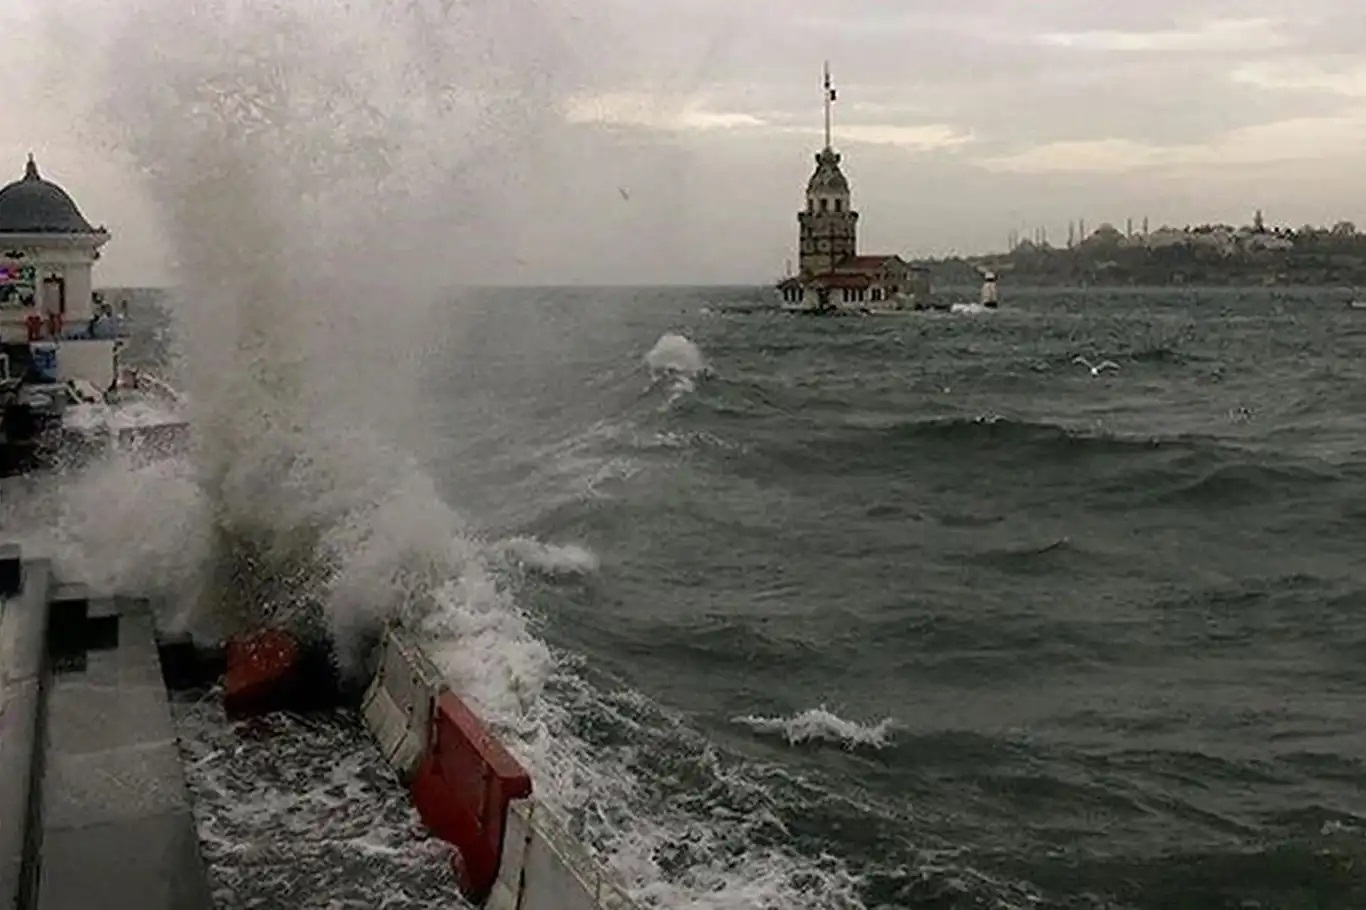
(315,167)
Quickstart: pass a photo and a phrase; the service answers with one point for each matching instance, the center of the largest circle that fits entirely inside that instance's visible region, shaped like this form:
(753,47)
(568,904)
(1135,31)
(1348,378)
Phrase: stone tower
(829,224)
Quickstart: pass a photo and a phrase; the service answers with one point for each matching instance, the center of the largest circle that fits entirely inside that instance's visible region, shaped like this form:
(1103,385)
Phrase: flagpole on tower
(829,98)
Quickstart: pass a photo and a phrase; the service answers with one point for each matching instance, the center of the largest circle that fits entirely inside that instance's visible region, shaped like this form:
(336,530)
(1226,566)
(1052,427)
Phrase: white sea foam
(969,309)
(124,416)
(676,360)
(551,559)
(821,724)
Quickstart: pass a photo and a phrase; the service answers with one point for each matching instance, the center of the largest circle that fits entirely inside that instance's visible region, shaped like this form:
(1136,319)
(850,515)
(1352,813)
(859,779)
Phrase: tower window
(837,204)
(824,205)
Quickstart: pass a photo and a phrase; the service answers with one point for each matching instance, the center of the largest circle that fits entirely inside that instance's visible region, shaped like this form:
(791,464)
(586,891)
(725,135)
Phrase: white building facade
(47,256)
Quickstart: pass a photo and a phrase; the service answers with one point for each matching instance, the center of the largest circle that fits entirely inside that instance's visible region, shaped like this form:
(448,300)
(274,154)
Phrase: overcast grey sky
(673,137)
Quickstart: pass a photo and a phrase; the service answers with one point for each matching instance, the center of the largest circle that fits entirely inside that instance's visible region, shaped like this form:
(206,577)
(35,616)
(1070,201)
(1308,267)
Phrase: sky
(669,141)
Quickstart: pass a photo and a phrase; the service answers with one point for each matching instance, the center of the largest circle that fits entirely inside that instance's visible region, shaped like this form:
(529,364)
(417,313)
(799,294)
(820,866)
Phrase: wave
(1154,470)
(1037,557)
(556,560)
(821,724)
(678,362)
(1246,482)
(860,443)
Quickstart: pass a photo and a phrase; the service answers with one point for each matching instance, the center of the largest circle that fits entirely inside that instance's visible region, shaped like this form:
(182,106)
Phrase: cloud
(1240,35)
(653,111)
(1304,75)
(1296,139)
(678,114)
(915,138)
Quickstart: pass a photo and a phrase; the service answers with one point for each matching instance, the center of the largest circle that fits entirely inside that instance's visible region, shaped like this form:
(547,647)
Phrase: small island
(1205,255)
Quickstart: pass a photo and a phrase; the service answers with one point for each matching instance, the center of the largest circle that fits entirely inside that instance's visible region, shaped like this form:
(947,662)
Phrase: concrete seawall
(23,632)
(93,807)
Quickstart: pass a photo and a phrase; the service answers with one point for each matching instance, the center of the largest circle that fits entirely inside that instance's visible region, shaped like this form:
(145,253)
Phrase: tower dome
(827,179)
(37,206)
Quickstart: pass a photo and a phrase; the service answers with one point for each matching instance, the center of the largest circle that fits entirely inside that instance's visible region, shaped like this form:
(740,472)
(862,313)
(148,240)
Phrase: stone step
(11,569)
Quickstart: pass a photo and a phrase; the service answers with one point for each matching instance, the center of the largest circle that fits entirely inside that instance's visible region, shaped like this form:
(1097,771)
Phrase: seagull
(624,194)
(1096,369)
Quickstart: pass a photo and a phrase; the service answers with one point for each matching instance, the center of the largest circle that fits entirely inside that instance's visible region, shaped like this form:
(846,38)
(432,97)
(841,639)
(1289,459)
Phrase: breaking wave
(551,559)
(677,361)
(821,724)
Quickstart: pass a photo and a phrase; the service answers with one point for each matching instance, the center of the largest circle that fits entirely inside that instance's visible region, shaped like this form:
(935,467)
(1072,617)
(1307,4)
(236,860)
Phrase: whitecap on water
(821,724)
(677,361)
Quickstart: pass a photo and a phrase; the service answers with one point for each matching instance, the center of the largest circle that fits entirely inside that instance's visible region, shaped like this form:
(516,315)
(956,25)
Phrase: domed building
(47,254)
(831,273)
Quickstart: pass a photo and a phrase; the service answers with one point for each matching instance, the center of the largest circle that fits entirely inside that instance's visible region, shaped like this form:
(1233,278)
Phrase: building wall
(70,258)
(826,238)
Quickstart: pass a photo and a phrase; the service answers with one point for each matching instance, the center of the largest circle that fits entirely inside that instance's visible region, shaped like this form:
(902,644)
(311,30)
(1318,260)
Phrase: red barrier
(462,790)
(260,673)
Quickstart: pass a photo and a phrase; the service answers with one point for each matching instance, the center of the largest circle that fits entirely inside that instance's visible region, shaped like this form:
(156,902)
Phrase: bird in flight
(1096,368)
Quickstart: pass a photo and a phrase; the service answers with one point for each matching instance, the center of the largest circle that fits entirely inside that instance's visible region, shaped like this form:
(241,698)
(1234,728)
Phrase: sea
(903,611)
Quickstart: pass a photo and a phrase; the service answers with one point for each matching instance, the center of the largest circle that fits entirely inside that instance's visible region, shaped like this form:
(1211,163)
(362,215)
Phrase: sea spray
(308,201)
(323,181)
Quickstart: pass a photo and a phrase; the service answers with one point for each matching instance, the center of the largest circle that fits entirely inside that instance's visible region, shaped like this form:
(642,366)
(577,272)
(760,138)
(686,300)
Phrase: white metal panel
(398,703)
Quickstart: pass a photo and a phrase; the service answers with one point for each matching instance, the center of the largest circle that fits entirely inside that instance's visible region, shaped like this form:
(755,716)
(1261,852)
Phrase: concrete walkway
(107,823)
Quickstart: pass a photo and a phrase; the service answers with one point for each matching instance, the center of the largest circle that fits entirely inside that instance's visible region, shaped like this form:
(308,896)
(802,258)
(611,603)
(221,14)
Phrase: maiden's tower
(832,275)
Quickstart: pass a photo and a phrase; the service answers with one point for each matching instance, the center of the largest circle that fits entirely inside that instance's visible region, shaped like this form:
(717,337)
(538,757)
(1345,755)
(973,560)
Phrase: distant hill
(1208,255)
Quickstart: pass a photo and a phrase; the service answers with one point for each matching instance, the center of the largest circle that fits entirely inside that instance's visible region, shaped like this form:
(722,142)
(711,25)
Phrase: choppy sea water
(303,812)
(923,601)
(907,611)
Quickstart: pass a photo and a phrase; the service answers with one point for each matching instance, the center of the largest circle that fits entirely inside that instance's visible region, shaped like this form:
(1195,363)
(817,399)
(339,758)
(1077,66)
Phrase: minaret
(828,227)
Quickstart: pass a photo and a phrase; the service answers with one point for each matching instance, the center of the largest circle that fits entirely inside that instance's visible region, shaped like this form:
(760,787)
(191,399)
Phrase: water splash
(325,174)
(677,361)
(311,207)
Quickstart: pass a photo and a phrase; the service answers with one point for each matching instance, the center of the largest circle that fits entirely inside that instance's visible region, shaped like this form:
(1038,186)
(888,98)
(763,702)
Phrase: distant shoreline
(1032,282)
(963,285)
(1207,258)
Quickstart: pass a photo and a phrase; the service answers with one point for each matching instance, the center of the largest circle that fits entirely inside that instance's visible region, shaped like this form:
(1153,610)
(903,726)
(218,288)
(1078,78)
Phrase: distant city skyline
(681,154)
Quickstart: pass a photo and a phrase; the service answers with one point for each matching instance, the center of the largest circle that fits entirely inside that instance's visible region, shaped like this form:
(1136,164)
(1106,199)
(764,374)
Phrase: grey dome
(37,206)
